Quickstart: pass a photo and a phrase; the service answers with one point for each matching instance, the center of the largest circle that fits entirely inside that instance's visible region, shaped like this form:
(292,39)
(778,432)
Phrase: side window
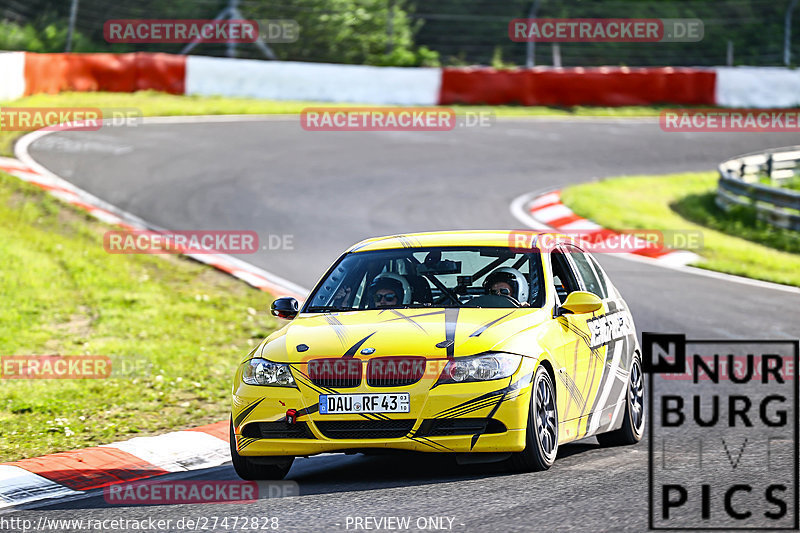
(601,277)
(586,272)
(563,278)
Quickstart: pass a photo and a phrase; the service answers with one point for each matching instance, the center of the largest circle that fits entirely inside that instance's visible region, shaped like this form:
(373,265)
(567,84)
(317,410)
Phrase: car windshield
(430,277)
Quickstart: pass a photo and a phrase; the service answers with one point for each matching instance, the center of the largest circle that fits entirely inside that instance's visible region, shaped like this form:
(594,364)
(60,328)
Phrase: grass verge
(181,328)
(733,243)
(152,103)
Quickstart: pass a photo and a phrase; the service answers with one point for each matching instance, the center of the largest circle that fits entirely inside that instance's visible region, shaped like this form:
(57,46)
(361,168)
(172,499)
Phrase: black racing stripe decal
(587,384)
(338,328)
(246,411)
(607,375)
(401,316)
(595,351)
(471,405)
(475,437)
(430,443)
(477,332)
(520,384)
(450,322)
(354,348)
(244,443)
(572,389)
(492,402)
(474,440)
(472,408)
(471,401)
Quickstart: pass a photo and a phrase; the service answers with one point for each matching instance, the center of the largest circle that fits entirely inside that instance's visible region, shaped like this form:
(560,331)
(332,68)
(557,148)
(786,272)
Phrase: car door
(585,360)
(615,334)
(574,350)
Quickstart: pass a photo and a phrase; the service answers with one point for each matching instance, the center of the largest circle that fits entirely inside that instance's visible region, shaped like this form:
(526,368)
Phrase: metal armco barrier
(739,185)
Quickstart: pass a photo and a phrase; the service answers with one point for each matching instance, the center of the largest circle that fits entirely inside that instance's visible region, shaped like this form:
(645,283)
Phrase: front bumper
(486,416)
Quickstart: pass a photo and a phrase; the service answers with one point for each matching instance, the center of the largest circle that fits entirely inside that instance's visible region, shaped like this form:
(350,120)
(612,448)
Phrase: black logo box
(678,365)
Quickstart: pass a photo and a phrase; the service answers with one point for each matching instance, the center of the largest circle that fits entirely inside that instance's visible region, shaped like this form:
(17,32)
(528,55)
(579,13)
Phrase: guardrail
(739,184)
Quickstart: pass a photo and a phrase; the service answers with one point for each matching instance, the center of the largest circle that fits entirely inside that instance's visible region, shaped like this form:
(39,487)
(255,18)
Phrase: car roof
(494,238)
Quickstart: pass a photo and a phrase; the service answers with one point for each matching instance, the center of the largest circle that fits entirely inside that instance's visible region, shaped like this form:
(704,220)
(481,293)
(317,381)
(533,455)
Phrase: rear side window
(600,276)
(586,272)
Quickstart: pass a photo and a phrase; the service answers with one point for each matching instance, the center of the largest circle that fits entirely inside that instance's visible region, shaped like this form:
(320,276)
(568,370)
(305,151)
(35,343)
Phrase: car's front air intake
(335,372)
(365,429)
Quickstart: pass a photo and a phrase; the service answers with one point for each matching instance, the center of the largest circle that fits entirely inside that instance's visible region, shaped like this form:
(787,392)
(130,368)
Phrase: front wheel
(260,467)
(541,435)
(633,423)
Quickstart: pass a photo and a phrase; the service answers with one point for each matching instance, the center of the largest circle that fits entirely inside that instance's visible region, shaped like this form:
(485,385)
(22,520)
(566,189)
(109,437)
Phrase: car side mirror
(285,308)
(579,302)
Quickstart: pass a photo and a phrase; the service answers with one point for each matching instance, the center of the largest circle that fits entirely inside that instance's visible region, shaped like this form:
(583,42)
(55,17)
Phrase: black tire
(251,470)
(634,419)
(541,435)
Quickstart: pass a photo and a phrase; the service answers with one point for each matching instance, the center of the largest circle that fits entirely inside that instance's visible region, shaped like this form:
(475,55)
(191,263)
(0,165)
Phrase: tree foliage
(425,32)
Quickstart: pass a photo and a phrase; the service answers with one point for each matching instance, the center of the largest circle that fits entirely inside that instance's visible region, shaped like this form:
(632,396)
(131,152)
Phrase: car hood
(434,333)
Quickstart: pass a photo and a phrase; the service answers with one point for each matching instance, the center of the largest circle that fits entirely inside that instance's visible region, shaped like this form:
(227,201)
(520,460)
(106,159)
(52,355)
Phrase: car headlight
(263,372)
(484,367)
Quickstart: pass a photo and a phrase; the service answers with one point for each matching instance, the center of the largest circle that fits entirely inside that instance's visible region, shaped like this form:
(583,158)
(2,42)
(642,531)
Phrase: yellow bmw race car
(462,342)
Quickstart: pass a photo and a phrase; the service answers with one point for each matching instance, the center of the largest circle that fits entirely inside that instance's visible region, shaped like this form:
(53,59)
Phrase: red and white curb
(73,473)
(544,211)
(76,472)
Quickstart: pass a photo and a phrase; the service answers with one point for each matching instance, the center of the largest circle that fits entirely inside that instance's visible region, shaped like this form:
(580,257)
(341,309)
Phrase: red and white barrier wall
(23,73)
(598,86)
(287,80)
(12,75)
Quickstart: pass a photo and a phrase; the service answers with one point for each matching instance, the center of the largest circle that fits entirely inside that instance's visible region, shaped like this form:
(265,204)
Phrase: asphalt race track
(329,190)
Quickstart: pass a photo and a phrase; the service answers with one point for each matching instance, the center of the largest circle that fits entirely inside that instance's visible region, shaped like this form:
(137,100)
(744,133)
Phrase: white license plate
(334,404)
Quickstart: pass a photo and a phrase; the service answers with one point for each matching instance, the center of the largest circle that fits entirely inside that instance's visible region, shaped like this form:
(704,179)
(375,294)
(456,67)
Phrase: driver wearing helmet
(508,282)
(388,290)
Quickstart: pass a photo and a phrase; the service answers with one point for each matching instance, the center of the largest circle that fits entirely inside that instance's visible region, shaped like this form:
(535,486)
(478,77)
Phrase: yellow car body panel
(588,398)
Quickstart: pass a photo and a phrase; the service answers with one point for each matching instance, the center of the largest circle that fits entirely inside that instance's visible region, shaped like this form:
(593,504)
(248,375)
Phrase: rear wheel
(253,469)
(633,423)
(541,435)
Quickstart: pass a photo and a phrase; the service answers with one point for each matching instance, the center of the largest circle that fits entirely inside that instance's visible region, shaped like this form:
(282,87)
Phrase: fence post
(390,28)
(787,34)
(769,167)
(530,59)
(73,15)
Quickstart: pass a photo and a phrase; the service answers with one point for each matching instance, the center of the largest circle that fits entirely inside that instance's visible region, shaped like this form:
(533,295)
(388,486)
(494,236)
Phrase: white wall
(283,80)
(759,87)
(12,75)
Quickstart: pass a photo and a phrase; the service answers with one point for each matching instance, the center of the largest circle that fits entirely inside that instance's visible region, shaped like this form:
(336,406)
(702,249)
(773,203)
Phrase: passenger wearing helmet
(508,282)
(388,290)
